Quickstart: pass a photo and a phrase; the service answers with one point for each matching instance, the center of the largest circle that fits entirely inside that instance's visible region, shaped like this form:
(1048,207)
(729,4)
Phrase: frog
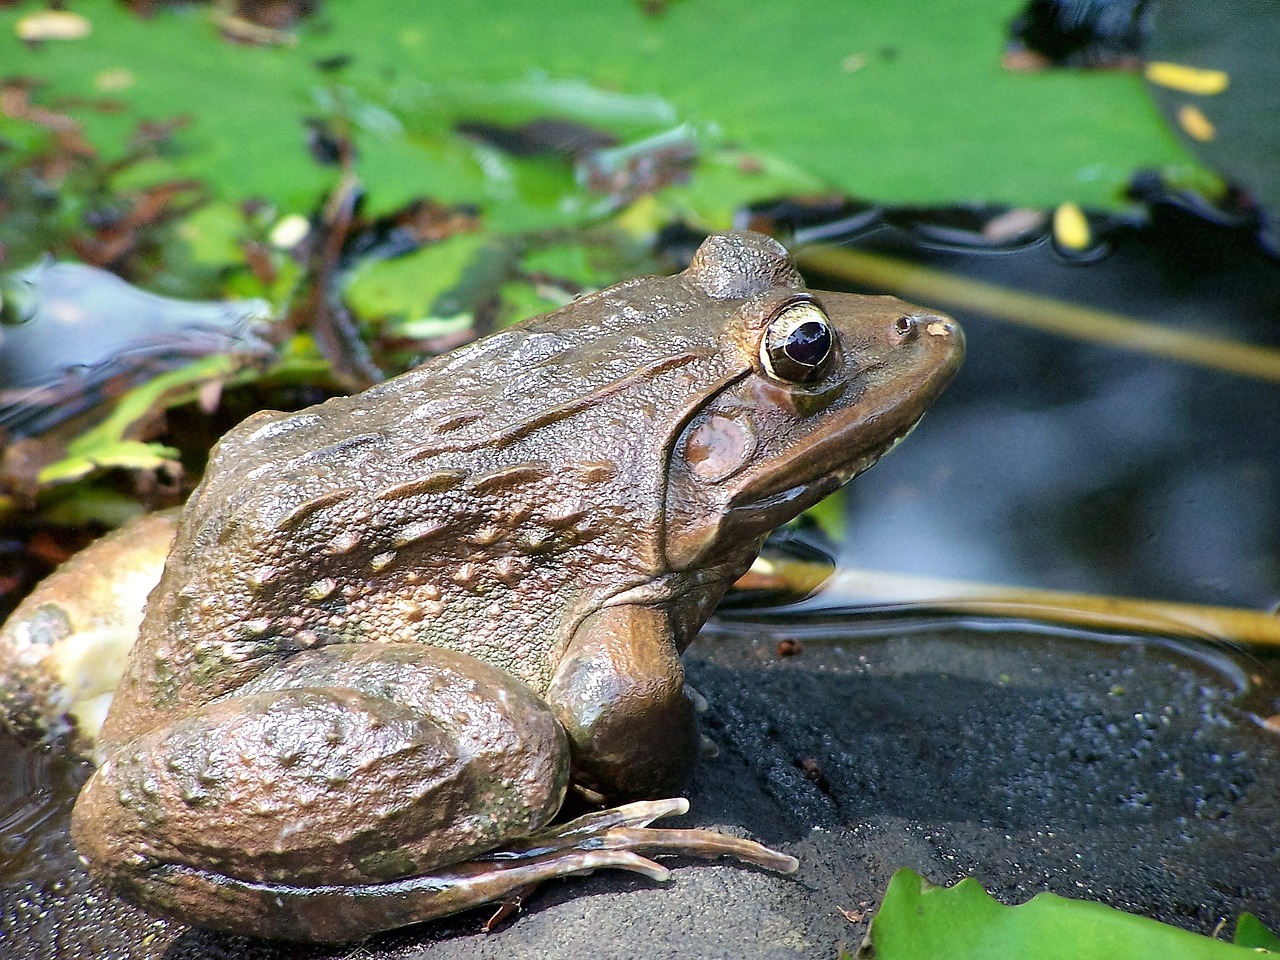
(397,630)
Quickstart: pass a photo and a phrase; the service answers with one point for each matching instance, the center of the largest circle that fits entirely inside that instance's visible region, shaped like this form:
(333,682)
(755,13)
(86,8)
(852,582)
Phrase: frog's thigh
(619,691)
(343,765)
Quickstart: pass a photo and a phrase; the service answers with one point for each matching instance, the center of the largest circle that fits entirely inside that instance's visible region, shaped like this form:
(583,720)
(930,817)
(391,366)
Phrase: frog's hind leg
(618,838)
(64,649)
(329,779)
(353,789)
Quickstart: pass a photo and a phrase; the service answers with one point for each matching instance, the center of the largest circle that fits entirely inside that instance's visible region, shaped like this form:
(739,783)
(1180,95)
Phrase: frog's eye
(797,343)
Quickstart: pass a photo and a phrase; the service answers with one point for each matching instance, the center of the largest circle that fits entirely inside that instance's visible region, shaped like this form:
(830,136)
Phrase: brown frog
(394,629)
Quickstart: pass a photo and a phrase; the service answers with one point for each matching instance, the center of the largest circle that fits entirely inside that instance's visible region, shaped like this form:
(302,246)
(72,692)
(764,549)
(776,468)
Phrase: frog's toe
(626,829)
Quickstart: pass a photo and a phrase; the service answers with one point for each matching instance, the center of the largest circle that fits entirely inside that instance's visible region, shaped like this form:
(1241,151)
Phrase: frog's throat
(763,501)
(773,508)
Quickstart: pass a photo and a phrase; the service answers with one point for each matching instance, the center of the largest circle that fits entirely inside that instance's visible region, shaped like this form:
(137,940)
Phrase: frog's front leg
(619,691)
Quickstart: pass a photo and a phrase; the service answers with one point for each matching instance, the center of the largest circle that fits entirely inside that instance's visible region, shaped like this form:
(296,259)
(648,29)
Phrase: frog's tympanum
(394,629)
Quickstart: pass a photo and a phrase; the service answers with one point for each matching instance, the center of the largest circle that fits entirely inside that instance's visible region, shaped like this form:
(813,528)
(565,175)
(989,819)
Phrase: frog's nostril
(905,329)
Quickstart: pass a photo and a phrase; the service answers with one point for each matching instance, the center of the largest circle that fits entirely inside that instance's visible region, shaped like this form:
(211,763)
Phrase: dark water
(1056,463)
(37,788)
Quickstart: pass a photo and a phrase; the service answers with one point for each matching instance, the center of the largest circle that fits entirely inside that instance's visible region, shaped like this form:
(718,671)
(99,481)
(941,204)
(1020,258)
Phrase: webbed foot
(625,830)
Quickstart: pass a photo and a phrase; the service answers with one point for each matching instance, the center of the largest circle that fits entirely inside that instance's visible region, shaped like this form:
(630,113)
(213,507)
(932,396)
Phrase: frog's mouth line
(868,429)
(797,497)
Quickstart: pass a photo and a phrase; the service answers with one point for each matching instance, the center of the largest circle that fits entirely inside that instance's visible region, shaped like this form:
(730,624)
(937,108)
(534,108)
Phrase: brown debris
(115,237)
(258,256)
(319,307)
(16,103)
(339,238)
(426,221)
(813,773)
(20,464)
(546,136)
(271,15)
(628,172)
(116,230)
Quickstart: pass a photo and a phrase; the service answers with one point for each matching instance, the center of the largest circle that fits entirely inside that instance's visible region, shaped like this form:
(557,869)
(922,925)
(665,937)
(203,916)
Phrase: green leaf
(831,514)
(107,445)
(143,399)
(918,921)
(900,104)
(213,234)
(1251,933)
(405,289)
(123,454)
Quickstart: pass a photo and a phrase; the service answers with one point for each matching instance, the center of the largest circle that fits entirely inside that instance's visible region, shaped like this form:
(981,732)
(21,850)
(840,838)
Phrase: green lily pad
(107,445)
(918,921)
(1251,933)
(1230,127)
(405,289)
(121,454)
(906,105)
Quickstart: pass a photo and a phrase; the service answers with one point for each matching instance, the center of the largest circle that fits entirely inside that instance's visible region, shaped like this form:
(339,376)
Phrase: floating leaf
(1251,933)
(405,289)
(869,100)
(107,455)
(107,445)
(918,921)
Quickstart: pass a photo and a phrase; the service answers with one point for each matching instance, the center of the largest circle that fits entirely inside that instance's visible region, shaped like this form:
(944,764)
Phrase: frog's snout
(938,326)
(936,334)
(910,327)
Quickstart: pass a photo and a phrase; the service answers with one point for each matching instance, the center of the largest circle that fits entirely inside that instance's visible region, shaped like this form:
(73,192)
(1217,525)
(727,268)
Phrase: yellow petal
(1177,76)
(1196,124)
(52,25)
(1071,227)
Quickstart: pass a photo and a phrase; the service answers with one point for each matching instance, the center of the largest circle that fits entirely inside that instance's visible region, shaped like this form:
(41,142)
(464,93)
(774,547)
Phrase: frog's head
(825,385)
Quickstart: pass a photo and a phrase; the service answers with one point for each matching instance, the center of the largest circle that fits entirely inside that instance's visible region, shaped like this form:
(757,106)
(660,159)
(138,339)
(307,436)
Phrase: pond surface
(1129,772)
(1057,463)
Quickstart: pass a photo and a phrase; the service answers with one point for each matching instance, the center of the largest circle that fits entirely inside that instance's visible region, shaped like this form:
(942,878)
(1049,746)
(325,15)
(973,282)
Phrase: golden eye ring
(797,343)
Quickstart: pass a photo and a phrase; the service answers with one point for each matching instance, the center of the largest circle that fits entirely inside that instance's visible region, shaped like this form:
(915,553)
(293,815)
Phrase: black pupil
(808,343)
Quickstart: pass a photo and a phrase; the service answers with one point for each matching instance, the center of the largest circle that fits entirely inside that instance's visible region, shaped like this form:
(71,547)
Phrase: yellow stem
(1043,313)
(1092,611)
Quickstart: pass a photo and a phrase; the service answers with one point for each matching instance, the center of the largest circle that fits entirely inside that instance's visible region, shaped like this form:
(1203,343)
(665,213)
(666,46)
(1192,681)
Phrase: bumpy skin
(394,627)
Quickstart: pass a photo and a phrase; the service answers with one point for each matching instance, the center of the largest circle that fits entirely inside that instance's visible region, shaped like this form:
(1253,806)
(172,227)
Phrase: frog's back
(482,502)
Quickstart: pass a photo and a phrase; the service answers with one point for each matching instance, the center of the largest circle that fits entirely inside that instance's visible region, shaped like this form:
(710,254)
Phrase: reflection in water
(817,622)
(1074,466)
(778,578)
(38,785)
(824,620)
(875,590)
